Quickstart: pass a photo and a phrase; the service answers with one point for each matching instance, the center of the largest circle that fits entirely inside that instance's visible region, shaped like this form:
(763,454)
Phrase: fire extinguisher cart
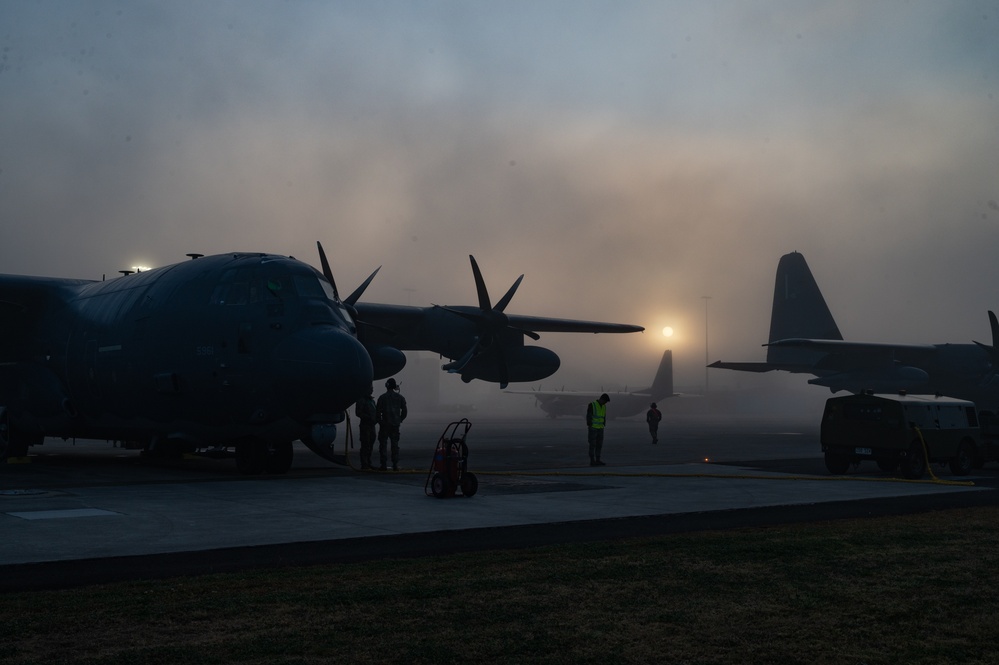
(449,467)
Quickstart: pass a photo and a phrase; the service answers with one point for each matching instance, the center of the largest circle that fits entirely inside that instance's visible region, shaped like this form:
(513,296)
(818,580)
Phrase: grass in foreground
(917,589)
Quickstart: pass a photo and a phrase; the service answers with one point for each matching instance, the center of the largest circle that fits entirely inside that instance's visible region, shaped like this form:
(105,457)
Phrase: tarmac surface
(87,512)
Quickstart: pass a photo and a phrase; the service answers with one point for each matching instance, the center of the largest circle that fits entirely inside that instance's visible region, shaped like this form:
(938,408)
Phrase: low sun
(667,332)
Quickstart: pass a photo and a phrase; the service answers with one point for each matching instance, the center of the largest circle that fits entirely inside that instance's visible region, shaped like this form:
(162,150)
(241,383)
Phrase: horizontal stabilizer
(744,366)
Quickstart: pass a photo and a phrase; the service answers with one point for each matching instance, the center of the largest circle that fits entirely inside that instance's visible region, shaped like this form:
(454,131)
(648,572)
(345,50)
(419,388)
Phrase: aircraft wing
(483,342)
(546,324)
(844,346)
(422,328)
(744,366)
(403,321)
(567,394)
(838,353)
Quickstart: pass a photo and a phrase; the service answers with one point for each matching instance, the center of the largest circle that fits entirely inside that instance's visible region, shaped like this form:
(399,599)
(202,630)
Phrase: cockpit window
(310,286)
(250,285)
(242,286)
(328,289)
(345,313)
(313,286)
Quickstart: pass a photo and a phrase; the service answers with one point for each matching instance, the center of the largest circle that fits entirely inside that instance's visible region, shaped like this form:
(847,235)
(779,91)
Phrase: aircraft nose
(321,370)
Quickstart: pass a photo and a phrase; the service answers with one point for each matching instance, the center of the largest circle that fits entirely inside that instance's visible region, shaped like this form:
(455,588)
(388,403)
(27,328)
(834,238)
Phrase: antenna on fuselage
(195,255)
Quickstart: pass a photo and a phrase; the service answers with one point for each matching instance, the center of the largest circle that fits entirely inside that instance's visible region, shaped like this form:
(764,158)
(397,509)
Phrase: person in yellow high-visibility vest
(596,420)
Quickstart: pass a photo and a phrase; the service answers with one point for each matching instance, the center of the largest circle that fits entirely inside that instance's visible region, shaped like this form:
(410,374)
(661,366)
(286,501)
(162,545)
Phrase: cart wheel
(469,484)
(440,486)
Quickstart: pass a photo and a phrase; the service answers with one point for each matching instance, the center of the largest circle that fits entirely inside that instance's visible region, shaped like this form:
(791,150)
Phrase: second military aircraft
(625,403)
(804,338)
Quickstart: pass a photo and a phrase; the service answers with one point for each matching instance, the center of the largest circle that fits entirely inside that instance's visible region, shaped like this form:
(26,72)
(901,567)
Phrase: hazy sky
(629,157)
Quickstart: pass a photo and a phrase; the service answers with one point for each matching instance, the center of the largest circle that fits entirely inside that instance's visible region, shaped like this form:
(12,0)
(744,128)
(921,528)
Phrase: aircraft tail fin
(799,310)
(662,384)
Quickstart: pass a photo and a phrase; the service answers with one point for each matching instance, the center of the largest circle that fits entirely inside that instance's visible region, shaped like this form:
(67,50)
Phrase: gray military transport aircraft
(243,352)
(804,338)
(557,403)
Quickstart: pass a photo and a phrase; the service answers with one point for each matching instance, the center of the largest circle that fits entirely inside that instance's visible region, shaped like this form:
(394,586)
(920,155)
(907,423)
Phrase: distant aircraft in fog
(804,339)
(623,404)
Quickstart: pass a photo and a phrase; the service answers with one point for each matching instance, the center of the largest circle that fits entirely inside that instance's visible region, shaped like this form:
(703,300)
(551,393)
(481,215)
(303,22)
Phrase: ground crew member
(652,417)
(366,415)
(596,420)
(390,411)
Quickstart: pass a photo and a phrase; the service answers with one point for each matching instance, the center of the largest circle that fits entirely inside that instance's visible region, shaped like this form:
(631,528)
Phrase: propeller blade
(480,286)
(527,333)
(993,350)
(458,365)
(327,272)
(505,300)
(474,318)
(355,296)
(504,371)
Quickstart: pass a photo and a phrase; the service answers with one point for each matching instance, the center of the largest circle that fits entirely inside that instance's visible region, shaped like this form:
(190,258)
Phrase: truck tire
(914,463)
(963,461)
(837,464)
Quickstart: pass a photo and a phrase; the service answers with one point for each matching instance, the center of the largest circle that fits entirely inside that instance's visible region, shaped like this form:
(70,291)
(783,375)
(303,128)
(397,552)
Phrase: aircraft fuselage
(207,352)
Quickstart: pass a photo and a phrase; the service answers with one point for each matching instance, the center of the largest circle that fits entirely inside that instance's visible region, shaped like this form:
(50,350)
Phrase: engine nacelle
(523,363)
(386,361)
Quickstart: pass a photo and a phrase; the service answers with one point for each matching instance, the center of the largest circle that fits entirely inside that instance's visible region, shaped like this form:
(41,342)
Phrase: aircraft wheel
(837,464)
(250,457)
(962,463)
(914,464)
(469,484)
(279,456)
(440,486)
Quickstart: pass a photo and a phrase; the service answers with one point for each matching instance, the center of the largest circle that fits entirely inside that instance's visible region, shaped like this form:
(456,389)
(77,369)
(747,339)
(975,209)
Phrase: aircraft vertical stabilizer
(662,384)
(799,311)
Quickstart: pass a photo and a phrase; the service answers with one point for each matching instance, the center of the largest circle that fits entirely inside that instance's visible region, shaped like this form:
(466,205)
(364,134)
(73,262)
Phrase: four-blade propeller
(490,322)
(328,273)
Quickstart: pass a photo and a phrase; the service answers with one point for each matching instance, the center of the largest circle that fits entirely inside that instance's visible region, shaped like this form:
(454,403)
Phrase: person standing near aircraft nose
(652,417)
(390,411)
(366,415)
(596,420)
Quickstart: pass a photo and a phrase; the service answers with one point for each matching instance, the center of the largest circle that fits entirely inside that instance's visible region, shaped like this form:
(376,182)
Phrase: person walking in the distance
(596,420)
(366,416)
(652,417)
(390,411)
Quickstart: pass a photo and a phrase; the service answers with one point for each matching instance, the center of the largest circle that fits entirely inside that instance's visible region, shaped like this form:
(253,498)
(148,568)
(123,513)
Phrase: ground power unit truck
(901,432)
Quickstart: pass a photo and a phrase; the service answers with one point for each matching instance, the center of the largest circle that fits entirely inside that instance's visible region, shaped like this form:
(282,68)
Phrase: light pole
(706,358)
